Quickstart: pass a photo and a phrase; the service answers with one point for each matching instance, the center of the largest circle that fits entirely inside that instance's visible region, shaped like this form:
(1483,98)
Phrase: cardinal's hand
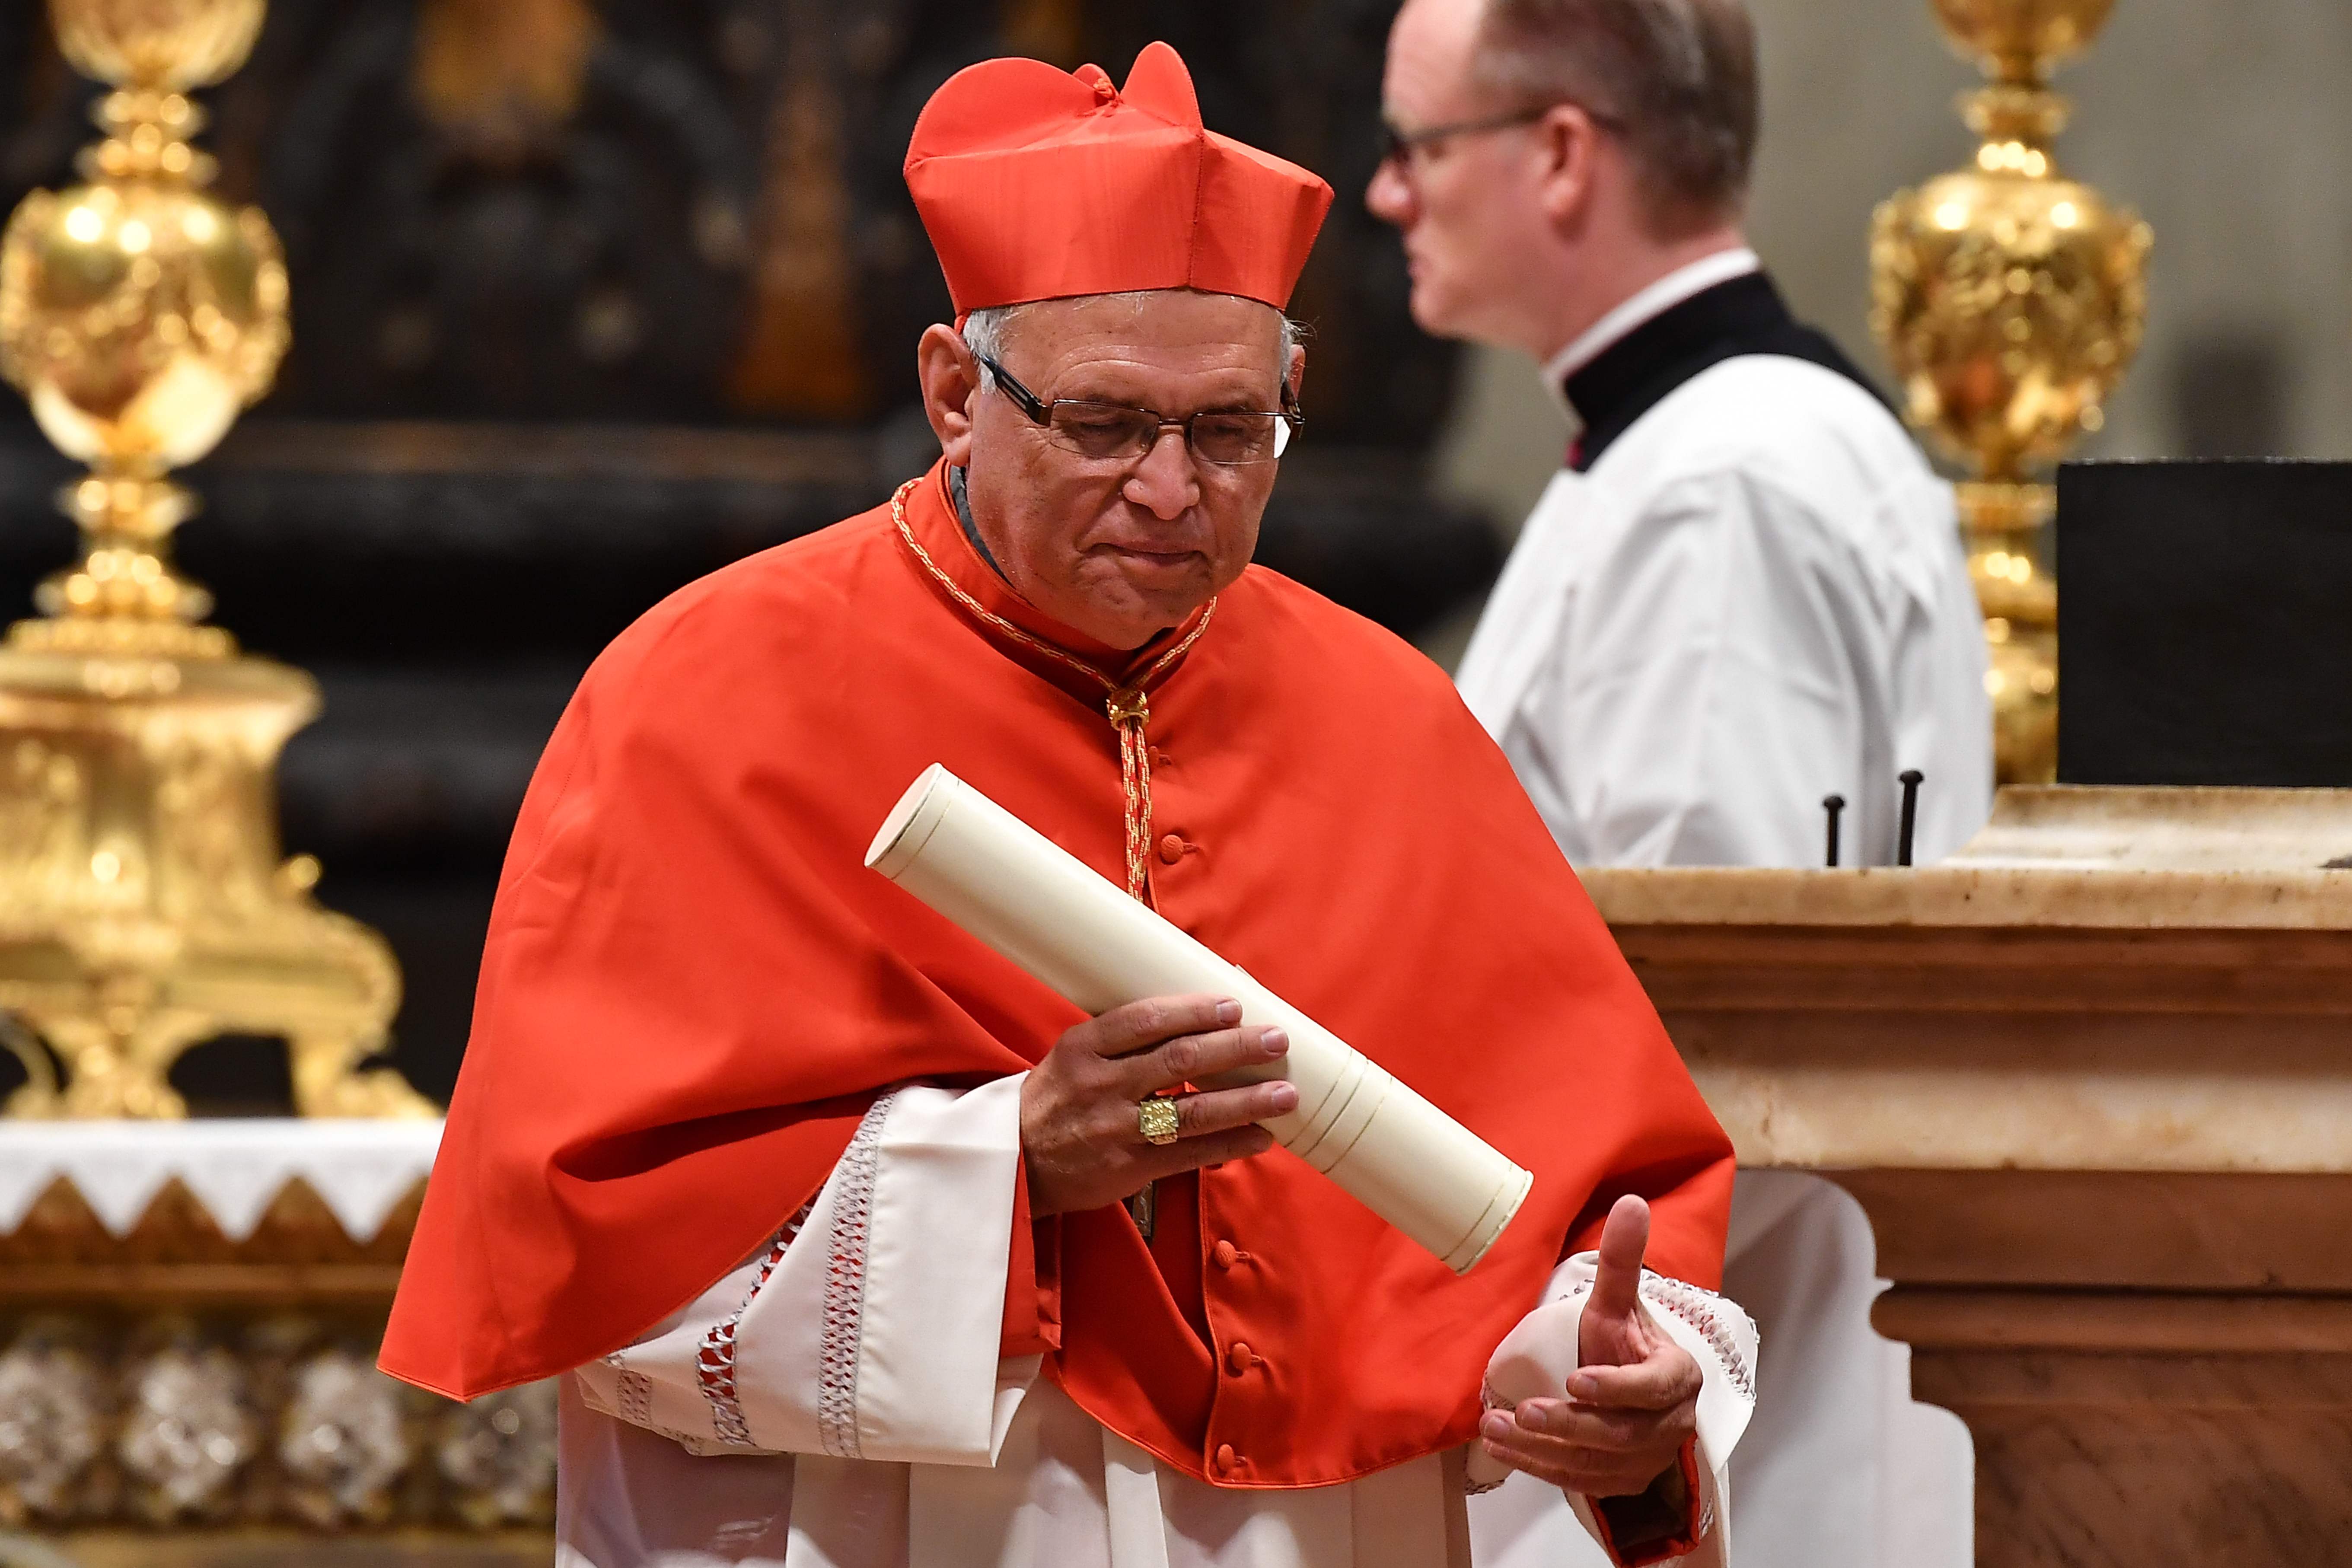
(1082,1138)
(1633,1401)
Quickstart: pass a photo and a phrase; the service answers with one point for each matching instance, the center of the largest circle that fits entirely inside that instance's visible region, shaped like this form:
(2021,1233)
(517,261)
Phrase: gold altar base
(142,904)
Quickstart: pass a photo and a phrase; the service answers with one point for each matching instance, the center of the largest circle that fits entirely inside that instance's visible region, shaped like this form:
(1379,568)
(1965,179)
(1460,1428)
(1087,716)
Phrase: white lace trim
(714,1361)
(635,1392)
(844,1285)
(1700,1308)
(1694,1305)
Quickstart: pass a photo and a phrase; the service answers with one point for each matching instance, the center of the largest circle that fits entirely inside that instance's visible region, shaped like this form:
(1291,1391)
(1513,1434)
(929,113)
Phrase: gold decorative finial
(139,315)
(143,905)
(2010,301)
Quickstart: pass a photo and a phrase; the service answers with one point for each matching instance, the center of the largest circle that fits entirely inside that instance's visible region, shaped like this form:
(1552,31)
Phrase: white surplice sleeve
(1537,1359)
(869,1327)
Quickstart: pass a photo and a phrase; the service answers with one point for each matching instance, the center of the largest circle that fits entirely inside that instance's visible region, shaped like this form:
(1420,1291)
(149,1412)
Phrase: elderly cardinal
(853,1245)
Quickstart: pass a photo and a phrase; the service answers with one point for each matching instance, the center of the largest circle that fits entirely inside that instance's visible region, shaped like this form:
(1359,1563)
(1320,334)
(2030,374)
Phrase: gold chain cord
(1129,707)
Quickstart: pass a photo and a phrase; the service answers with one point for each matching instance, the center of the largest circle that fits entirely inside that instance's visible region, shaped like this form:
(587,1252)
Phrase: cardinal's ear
(949,377)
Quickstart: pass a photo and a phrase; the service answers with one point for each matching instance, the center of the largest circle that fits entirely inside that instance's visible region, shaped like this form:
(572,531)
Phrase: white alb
(838,1402)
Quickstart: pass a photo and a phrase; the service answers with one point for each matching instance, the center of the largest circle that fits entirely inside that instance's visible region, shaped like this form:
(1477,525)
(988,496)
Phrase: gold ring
(1156,1118)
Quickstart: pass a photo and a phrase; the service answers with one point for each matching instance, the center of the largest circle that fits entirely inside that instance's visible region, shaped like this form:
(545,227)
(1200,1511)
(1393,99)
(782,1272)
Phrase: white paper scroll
(1041,908)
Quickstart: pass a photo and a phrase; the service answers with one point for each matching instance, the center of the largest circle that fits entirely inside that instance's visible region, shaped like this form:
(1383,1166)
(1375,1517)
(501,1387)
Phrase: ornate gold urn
(2011,300)
(143,905)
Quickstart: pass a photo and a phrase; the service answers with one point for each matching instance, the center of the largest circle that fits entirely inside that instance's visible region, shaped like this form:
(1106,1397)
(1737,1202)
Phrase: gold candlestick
(2011,300)
(143,905)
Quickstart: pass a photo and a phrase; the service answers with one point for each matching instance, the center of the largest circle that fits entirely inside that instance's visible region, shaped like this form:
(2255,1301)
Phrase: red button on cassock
(1171,849)
(1226,1458)
(1223,1253)
(1237,1358)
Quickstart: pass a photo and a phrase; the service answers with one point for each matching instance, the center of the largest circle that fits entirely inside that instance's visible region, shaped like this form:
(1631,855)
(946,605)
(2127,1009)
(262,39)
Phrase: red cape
(693,987)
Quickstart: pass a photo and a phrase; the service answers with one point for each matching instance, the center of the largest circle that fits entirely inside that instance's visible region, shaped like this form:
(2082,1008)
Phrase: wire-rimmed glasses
(1116,432)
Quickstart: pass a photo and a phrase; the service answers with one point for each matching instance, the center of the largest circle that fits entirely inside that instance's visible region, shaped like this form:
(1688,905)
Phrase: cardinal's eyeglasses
(1114,432)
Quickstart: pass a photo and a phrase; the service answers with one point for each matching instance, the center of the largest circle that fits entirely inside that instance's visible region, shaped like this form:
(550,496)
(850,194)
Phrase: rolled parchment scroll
(1039,906)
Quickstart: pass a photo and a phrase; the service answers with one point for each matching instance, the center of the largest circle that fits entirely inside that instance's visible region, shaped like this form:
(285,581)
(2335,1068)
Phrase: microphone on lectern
(1909,778)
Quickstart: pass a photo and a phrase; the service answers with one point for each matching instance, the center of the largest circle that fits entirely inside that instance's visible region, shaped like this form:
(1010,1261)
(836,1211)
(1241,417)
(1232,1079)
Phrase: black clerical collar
(971,528)
(1633,376)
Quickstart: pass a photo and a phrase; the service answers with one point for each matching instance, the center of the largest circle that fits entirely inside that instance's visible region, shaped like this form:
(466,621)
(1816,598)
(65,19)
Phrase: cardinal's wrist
(1660,1512)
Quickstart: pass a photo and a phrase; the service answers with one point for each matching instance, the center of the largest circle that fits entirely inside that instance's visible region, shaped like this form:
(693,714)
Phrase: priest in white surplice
(855,1246)
(1742,594)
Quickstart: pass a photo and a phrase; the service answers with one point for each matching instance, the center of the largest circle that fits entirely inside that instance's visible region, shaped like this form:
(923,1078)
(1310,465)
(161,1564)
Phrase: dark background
(590,298)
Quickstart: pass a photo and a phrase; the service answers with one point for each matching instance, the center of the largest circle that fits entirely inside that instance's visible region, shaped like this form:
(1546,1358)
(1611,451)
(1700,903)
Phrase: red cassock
(693,988)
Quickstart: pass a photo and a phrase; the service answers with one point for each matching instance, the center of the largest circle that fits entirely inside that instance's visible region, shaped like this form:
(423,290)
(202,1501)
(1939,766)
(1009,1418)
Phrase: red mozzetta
(693,988)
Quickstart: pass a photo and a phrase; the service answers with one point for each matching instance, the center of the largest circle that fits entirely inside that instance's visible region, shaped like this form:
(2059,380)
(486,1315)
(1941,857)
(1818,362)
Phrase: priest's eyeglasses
(1114,432)
(1398,148)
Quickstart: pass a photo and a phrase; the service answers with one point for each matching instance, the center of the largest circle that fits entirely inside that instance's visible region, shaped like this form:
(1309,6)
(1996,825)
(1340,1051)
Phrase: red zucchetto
(1039,183)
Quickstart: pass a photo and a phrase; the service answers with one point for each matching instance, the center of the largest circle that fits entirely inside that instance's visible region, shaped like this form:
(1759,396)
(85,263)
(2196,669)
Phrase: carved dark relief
(686,210)
(565,236)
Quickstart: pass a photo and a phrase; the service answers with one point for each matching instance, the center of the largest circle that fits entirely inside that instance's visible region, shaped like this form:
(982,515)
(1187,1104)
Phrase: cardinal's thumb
(1616,1288)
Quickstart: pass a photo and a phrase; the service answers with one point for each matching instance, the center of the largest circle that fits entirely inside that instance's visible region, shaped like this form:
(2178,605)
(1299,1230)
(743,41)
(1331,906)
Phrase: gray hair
(984,330)
(1677,78)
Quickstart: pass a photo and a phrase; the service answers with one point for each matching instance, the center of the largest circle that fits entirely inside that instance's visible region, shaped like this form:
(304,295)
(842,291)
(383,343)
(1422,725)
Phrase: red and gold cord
(1128,707)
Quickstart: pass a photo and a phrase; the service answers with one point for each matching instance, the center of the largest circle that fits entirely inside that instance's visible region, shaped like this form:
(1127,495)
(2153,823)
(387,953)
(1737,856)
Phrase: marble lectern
(2091,1082)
